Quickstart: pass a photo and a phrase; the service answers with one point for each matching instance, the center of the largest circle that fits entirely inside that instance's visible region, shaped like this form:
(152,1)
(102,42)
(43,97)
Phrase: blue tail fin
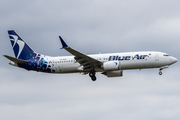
(20,47)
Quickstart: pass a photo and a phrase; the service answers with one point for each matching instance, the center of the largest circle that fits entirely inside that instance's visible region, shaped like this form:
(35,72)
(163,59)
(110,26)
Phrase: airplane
(110,64)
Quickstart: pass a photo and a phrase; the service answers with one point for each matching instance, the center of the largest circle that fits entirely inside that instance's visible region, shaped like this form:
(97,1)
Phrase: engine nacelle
(118,73)
(111,65)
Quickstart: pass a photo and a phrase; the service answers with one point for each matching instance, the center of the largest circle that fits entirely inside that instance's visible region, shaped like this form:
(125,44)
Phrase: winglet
(64,45)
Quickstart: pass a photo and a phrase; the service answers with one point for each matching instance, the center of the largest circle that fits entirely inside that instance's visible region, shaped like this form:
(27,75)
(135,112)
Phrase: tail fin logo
(19,42)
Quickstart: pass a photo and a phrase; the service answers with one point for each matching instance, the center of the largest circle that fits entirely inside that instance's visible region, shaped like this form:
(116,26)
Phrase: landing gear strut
(160,73)
(92,75)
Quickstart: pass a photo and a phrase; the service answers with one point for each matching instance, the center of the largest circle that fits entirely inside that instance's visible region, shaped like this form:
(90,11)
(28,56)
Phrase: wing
(86,61)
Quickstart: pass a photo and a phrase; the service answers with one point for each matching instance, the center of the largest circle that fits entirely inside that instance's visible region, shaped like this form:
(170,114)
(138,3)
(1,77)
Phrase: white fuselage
(128,60)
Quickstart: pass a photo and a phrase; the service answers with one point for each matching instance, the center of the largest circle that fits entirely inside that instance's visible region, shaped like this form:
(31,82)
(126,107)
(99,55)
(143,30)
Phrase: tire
(91,74)
(93,78)
(160,73)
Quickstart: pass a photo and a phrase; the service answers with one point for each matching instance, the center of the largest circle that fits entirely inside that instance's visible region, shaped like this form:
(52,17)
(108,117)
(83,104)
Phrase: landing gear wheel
(92,75)
(160,73)
(93,78)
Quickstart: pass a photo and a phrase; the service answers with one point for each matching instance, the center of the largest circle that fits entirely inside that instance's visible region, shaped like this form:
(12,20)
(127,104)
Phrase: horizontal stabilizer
(15,59)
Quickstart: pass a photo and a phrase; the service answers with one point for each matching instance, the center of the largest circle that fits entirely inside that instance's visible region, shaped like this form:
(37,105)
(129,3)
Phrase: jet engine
(111,66)
(117,73)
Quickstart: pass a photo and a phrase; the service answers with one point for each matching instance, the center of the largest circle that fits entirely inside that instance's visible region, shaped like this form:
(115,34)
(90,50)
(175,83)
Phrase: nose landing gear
(160,73)
(92,75)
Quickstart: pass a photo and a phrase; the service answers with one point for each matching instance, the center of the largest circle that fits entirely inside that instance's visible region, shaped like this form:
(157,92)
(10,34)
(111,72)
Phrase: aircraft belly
(67,68)
(138,64)
(157,64)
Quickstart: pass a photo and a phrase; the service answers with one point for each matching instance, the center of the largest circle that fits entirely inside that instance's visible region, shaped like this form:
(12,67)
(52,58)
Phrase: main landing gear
(92,75)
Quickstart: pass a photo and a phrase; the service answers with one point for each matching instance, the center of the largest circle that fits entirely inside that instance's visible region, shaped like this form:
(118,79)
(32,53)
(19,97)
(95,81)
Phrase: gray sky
(91,26)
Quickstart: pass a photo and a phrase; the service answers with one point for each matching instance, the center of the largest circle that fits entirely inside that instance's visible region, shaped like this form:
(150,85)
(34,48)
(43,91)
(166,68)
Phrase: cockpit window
(166,55)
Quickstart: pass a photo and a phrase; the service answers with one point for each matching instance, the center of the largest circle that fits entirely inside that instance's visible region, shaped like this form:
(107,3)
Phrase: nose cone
(173,60)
